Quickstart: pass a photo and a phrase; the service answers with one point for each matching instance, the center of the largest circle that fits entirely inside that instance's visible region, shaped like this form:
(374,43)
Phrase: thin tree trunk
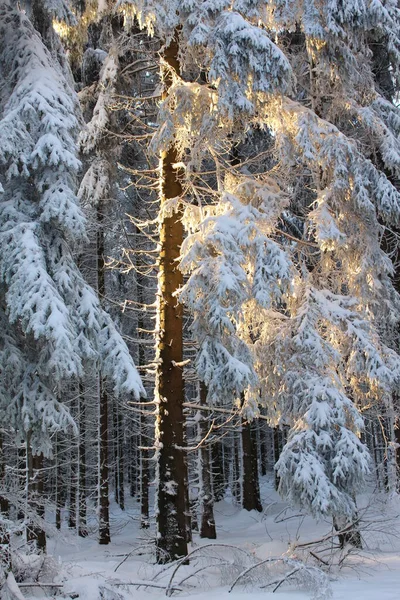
(37,463)
(143,453)
(263,448)
(4,509)
(171,495)
(207,528)
(115,451)
(133,470)
(277,452)
(104,514)
(82,464)
(236,476)
(4,503)
(58,494)
(73,479)
(120,464)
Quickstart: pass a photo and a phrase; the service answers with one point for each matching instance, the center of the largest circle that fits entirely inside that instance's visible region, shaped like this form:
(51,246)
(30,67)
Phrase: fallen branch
(41,585)
(152,584)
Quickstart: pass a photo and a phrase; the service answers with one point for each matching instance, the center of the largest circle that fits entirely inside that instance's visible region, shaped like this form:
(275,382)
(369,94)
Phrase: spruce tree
(287,281)
(52,320)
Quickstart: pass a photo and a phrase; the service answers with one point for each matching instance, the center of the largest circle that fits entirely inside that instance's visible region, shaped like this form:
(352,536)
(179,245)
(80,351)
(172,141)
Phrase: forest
(199,299)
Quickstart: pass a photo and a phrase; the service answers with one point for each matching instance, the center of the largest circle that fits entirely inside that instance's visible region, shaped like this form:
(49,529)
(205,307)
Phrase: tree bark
(120,464)
(4,509)
(207,528)
(35,488)
(251,487)
(236,475)
(277,453)
(114,446)
(58,494)
(104,514)
(39,533)
(73,479)
(82,531)
(143,437)
(171,496)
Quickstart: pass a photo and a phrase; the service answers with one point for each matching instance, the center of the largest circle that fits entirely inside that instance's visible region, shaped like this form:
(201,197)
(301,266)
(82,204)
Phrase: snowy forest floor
(97,572)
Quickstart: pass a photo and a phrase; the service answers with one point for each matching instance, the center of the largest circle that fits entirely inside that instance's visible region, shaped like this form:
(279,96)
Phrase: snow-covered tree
(288,283)
(53,321)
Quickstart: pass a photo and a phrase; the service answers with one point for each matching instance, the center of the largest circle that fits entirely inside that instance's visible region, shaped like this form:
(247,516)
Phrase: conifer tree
(53,324)
(286,271)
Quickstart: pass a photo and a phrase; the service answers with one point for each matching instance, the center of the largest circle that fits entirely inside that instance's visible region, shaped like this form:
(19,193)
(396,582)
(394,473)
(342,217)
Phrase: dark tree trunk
(207,528)
(73,479)
(251,487)
(35,487)
(40,535)
(115,449)
(22,476)
(263,448)
(58,494)
(218,474)
(120,464)
(4,509)
(4,503)
(236,474)
(171,495)
(82,464)
(277,453)
(104,514)
(133,469)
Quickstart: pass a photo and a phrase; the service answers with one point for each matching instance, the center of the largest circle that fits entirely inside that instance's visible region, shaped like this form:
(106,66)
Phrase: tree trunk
(277,453)
(4,509)
(58,494)
(104,514)
(115,451)
(39,533)
(35,487)
(4,503)
(207,528)
(251,487)
(218,471)
(82,464)
(73,479)
(171,496)
(121,482)
(236,475)
(263,448)
(133,469)
(143,437)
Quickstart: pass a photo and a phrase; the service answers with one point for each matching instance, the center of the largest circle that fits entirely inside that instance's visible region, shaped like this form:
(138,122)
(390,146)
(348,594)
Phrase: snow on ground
(92,571)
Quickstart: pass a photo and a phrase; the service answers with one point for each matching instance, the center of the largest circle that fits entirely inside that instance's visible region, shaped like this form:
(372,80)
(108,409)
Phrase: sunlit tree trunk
(171,496)
(143,436)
